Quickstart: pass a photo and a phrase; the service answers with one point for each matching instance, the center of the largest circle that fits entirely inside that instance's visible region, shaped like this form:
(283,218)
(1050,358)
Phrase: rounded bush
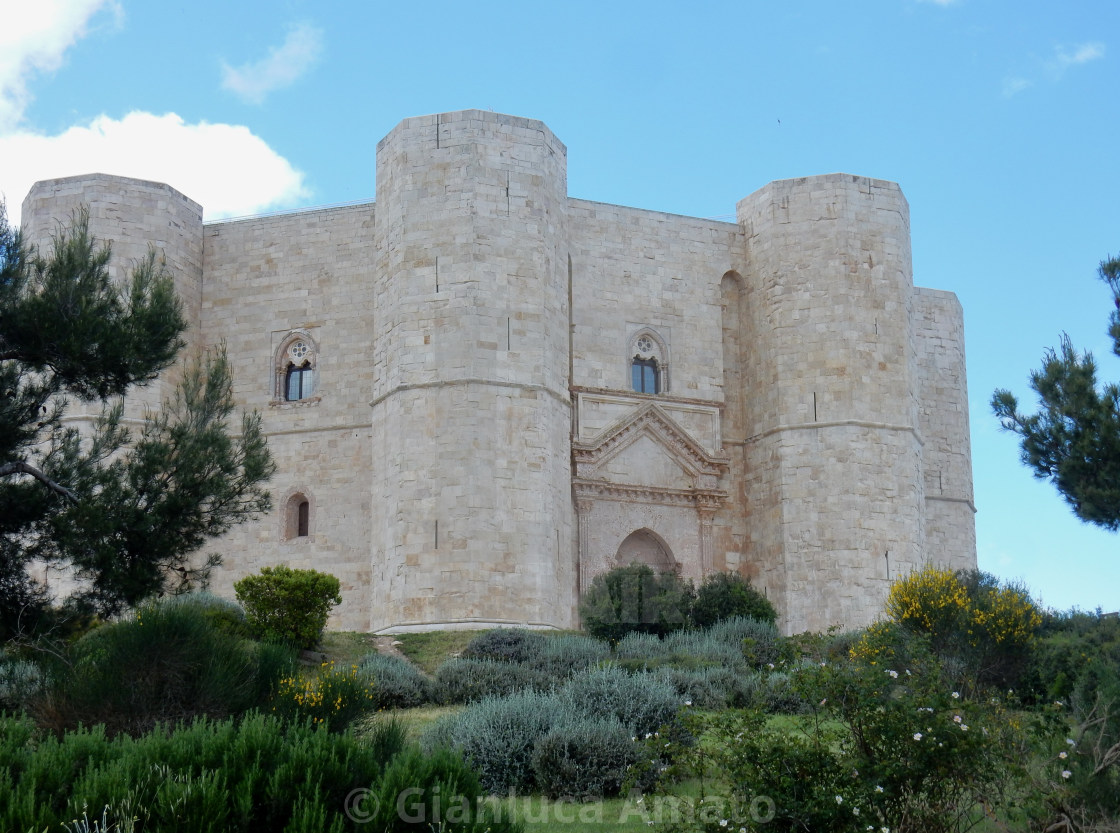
(643,703)
(397,683)
(287,605)
(758,642)
(727,595)
(561,656)
(584,761)
(704,688)
(497,735)
(504,645)
(224,614)
(640,646)
(168,663)
(20,682)
(635,599)
(470,680)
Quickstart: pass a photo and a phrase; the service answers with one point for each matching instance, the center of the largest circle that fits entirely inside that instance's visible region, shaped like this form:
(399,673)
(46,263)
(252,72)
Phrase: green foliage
(584,761)
(20,682)
(635,599)
(287,605)
(258,773)
(168,662)
(125,512)
(558,657)
(504,645)
(982,630)
(470,680)
(881,747)
(643,703)
(1074,439)
(497,735)
(396,683)
(333,697)
(438,791)
(727,595)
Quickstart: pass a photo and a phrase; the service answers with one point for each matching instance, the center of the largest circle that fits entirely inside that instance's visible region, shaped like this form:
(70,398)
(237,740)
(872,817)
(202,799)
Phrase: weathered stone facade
(473,449)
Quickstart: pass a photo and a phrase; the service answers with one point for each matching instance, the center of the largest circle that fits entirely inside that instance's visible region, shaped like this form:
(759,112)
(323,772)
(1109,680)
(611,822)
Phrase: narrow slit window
(303,518)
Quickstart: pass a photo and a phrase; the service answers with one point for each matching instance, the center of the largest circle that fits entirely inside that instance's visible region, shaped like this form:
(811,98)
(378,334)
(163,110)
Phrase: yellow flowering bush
(984,627)
(333,696)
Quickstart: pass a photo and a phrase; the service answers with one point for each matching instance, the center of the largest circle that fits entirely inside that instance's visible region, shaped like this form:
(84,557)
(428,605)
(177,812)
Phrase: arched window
(649,363)
(295,368)
(297,516)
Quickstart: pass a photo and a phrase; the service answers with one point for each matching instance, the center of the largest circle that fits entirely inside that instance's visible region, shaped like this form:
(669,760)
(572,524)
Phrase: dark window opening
(303,517)
(298,383)
(643,376)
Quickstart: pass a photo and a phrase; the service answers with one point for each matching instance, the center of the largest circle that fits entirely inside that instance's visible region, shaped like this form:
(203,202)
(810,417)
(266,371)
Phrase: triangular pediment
(635,436)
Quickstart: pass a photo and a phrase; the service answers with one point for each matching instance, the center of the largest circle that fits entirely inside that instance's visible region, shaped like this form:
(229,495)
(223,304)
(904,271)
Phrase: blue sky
(998,118)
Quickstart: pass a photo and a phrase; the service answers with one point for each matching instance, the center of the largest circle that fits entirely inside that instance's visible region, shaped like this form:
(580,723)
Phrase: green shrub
(558,657)
(982,630)
(504,645)
(727,595)
(758,642)
(704,688)
(258,773)
(635,599)
(584,761)
(167,663)
(643,703)
(20,682)
(334,697)
(288,605)
(224,614)
(438,791)
(497,735)
(640,646)
(396,682)
(698,649)
(469,680)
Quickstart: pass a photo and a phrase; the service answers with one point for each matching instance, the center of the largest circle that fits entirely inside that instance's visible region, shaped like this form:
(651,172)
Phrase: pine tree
(125,512)
(1074,439)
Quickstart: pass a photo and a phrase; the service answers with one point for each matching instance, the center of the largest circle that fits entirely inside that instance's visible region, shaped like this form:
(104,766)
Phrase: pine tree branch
(19,467)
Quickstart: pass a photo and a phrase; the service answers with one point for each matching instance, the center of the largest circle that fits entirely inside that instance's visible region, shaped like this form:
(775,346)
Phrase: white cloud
(33,39)
(283,65)
(224,167)
(1072,56)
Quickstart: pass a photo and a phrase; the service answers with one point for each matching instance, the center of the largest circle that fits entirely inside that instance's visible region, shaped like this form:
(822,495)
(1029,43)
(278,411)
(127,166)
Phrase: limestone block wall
(309,273)
(472,513)
(633,268)
(831,415)
(943,410)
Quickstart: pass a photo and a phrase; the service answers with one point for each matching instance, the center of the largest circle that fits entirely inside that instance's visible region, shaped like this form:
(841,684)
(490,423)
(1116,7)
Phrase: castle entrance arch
(646,547)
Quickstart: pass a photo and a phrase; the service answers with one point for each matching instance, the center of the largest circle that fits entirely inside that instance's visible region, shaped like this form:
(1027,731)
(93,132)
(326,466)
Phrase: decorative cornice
(709,499)
(650,397)
(837,423)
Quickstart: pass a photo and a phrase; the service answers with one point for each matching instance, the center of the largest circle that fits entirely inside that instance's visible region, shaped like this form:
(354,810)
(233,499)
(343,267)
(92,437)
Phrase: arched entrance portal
(646,547)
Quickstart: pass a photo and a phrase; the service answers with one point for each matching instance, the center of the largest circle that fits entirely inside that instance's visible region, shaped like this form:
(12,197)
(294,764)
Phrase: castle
(480,392)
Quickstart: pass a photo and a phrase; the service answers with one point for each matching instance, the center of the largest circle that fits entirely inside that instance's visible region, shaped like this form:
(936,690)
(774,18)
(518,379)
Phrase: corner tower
(837,505)
(472,509)
(131,215)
